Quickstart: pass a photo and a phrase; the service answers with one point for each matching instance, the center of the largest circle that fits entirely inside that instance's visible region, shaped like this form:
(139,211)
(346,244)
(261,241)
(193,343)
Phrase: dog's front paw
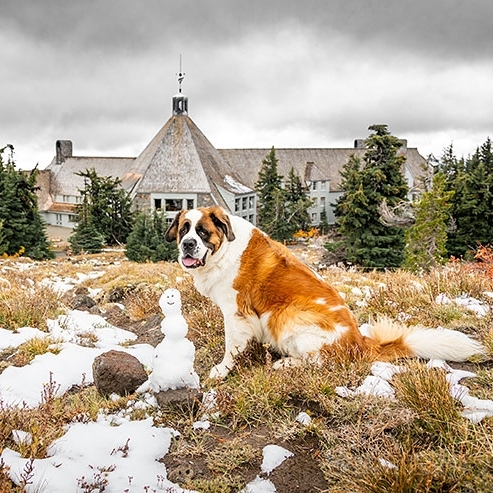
(219,372)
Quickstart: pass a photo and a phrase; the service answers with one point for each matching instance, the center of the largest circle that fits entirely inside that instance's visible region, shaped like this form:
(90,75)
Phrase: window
(322,202)
(58,219)
(174,205)
(314,218)
(190,203)
(244,203)
(237,205)
(314,185)
(323,185)
(251,202)
(158,204)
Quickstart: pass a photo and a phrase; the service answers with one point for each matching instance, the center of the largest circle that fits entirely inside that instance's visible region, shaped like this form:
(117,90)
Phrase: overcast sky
(287,73)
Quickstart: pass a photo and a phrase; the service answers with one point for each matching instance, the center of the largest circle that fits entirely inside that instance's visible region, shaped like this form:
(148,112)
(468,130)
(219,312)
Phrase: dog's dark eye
(184,229)
(203,233)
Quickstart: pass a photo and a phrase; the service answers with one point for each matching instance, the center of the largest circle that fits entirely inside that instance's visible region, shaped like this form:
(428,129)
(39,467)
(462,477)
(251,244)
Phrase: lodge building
(180,168)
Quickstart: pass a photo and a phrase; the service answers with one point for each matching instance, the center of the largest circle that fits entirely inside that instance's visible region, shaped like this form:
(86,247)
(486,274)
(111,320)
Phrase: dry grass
(28,350)
(47,422)
(22,306)
(421,432)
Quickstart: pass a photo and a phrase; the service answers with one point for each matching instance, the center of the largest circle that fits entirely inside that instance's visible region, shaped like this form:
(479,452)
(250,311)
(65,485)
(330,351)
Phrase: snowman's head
(170,301)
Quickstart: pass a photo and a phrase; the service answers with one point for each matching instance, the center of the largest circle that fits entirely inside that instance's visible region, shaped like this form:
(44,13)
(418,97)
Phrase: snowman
(174,356)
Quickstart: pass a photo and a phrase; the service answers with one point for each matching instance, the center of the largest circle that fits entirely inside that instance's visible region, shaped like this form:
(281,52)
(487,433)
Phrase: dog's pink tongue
(188,261)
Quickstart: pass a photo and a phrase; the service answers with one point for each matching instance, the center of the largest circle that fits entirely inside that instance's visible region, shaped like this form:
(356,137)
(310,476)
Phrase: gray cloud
(447,28)
(284,73)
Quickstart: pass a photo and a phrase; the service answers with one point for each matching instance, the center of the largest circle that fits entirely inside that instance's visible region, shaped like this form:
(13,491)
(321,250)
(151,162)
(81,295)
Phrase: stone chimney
(63,150)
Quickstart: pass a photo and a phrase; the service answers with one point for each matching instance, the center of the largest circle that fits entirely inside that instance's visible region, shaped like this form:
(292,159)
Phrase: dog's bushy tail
(395,340)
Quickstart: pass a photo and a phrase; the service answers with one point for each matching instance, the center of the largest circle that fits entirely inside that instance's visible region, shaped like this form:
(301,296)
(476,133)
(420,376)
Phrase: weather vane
(181,76)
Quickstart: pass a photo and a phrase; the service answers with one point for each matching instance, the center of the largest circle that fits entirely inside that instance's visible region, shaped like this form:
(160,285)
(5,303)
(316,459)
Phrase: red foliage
(484,261)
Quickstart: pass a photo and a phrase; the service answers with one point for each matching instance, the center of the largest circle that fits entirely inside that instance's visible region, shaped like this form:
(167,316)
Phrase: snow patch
(235,186)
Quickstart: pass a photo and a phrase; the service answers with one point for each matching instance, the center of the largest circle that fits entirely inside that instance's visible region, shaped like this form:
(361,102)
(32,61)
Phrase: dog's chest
(216,285)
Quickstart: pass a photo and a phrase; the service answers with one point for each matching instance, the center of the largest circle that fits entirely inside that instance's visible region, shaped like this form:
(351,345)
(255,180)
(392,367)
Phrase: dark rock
(79,290)
(182,473)
(116,295)
(116,315)
(95,310)
(149,331)
(82,302)
(180,400)
(117,372)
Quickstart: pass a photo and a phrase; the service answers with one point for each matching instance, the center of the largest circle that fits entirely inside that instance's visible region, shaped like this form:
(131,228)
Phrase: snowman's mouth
(192,263)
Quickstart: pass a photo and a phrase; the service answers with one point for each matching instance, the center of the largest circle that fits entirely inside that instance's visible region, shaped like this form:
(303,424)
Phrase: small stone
(181,400)
(181,473)
(117,372)
(82,302)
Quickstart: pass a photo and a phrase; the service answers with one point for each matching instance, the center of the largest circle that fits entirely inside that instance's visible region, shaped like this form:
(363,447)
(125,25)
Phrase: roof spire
(180,101)
(181,76)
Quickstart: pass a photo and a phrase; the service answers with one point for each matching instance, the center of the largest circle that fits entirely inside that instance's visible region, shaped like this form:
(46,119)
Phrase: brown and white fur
(265,293)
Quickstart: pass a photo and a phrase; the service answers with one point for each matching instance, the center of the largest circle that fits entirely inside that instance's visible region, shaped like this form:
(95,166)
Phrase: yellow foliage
(301,234)
(16,254)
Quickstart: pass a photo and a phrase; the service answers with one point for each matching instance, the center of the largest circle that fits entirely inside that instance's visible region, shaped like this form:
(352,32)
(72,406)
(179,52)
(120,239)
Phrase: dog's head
(199,234)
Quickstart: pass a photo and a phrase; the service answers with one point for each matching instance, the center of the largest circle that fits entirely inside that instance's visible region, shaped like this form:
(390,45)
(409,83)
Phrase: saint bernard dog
(265,293)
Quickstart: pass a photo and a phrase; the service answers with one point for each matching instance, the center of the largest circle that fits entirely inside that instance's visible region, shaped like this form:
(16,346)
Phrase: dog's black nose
(188,245)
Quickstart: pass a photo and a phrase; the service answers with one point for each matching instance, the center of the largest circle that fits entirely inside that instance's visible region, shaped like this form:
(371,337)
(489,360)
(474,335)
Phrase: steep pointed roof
(180,159)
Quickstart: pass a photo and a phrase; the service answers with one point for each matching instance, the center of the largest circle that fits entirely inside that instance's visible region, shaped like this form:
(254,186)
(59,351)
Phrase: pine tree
(426,239)
(23,230)
(4,246)
(271,198)
(324,222)
(108,206)
(146,241)
(297,204)
(367,241)
(352,204)
(450,166)
(472,205)
(86,237)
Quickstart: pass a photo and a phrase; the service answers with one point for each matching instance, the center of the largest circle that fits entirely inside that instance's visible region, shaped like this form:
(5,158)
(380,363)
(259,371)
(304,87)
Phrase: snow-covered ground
(114,451)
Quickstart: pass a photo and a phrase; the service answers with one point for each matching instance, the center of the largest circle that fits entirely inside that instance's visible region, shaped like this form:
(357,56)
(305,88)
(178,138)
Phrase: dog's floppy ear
(172,232)
(222,222)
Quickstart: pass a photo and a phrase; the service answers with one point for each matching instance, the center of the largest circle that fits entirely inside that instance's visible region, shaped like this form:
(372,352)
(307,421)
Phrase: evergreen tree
(3,242)
(146,241)
(352,204)
(366,240)
(472,204)
(297,204)
(271,199)
(23,231)
(86,238)
(426,239)
(324,223)
(107,205)
(450,166)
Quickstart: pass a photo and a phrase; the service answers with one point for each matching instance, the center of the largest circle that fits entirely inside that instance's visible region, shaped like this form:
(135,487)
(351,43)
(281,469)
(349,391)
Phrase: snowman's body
(174,356)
